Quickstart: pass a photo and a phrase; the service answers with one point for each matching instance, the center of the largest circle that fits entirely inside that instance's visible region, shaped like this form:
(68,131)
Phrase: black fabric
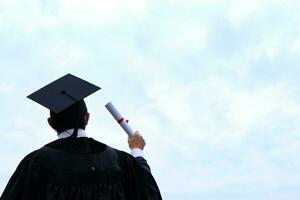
(63,92)
(81,169)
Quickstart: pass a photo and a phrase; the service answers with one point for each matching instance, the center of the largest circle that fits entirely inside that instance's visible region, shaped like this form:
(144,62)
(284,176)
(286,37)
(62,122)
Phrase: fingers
(135,134)
(136,141)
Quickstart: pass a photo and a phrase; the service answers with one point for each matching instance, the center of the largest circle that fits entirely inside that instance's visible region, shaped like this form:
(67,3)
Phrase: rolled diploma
(115,113)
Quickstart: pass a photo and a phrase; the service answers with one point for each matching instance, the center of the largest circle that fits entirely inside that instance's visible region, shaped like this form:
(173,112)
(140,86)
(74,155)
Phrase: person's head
(74,116)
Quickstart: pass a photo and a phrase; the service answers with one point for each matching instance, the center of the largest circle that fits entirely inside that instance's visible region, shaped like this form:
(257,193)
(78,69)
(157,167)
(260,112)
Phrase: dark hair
(69,118)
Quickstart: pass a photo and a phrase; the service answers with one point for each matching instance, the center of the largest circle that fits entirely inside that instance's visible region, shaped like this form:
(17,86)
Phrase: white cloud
(98,12)
(37,15)
(219,112)
(6,88)
(91,11)
(239,11)
(66,56)
(183,36)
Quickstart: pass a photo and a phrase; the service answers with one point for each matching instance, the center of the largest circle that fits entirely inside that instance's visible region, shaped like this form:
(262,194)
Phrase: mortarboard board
(63,93)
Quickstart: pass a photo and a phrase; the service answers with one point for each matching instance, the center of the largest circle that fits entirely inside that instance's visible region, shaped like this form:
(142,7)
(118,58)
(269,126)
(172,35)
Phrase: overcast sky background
(212,85)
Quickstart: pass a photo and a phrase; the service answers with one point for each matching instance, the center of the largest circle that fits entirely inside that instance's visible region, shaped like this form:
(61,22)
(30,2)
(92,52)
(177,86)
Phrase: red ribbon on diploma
(122,119)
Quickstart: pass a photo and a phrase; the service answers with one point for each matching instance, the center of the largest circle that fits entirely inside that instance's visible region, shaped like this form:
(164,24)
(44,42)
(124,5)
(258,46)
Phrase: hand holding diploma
(136,141)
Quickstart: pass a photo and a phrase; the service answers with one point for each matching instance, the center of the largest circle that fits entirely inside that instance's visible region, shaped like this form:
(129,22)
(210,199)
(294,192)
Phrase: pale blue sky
(212,86)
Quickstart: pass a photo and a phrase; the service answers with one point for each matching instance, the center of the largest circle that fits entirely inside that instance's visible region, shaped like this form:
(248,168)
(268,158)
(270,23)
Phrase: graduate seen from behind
(74,166)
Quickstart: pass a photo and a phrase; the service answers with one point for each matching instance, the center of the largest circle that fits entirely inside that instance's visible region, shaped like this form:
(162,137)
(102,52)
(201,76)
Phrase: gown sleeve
(139,182)
(24,182)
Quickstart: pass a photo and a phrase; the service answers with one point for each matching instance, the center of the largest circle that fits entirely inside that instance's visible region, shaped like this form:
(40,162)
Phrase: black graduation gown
(81,168)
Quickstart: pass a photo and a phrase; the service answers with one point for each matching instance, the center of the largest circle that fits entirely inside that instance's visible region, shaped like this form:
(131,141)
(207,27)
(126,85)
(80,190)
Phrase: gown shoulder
(81,169)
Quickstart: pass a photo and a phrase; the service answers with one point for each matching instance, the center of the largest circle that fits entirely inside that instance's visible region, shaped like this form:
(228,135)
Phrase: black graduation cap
(63,93)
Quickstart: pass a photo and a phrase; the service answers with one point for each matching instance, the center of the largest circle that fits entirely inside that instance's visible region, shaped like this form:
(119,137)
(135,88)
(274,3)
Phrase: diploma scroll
(118,117)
